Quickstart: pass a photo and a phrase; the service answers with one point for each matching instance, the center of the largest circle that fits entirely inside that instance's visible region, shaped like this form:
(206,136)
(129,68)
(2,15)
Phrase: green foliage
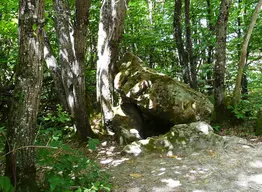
(8,40)
(2,146)
(247,109)
(153,42)
(64,168)
(5,184)
(2,138)
(67,169)
(56,124)
(243,110)
(60,116)
(92,143)
(217,128)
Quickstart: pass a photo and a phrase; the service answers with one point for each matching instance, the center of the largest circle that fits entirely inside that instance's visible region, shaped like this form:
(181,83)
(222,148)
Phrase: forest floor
(238,168)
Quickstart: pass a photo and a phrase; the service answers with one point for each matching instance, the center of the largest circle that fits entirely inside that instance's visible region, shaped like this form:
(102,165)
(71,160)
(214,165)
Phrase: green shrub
(63,168)
(67,169)
(55,125)
(246,109)
(58,119)
(2,138)
(5,184)
(217,128)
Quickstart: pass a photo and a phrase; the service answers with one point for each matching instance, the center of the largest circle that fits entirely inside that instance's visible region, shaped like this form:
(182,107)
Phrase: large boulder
(159,100)
(184,139)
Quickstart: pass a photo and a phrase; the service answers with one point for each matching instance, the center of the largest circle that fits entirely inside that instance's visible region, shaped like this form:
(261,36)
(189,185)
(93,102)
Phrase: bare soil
(237,168)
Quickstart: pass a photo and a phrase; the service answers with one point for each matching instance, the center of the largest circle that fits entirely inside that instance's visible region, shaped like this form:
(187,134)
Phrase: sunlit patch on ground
(109,155)
(171,182)
(256,164)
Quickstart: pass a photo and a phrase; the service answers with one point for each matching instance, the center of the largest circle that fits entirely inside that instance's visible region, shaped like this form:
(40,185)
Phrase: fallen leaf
(135,175)
(131,161)
(172,156)
(212,153)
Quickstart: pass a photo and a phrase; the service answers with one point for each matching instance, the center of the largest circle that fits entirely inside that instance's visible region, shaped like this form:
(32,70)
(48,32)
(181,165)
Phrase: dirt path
(236,169)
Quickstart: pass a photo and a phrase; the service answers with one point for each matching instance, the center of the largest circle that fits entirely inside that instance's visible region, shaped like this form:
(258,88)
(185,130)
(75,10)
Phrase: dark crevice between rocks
(146,124)
(155,126)
(136,115)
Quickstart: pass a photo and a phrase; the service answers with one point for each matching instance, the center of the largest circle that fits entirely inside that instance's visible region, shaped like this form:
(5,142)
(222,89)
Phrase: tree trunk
(189,47)
(219,71)
(111,26)
(72,44)
(150,19)
(241,65)
(21,128)
(210,49)
(244,84)
(81,108)
(179,42)
(55,71)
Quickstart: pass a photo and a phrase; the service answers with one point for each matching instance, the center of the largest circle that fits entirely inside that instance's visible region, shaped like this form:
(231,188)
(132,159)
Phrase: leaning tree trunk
(111,26)
(241,65)
(219,71)
(21,128)
(72,44)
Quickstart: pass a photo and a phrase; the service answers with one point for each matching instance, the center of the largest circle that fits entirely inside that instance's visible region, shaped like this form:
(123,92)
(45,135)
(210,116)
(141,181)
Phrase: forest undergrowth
(64,164)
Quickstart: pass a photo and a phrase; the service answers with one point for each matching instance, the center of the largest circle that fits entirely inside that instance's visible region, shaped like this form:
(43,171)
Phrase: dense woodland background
(68,48)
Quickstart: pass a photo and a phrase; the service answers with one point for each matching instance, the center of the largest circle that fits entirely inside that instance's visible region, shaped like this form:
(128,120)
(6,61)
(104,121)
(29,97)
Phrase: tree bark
(55,71)
(150,19)
(189,47)
(112,16)
(219,70)
(186,55)
(80,43)
(179,42)
(210,49)
(72,46)
(241,65)
(21,128)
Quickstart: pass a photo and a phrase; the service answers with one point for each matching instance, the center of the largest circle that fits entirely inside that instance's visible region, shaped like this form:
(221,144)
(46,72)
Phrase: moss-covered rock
(158,96)
(183,139)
